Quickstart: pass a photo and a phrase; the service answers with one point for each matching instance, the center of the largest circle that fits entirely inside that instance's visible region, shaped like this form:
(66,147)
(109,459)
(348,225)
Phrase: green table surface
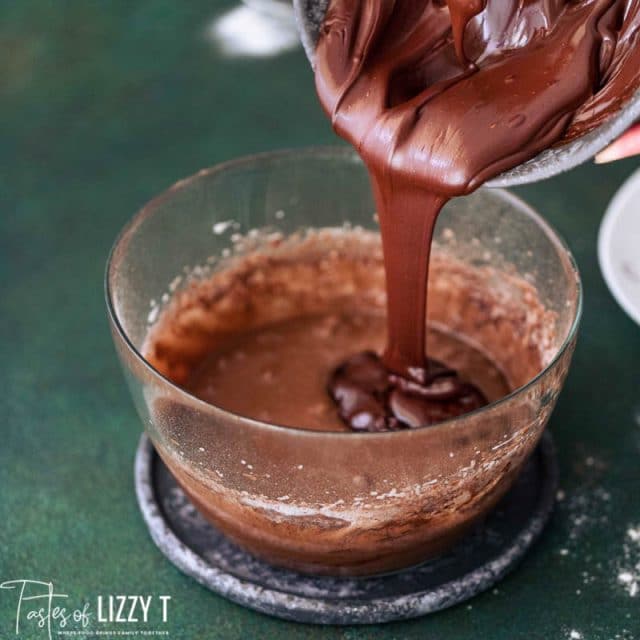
(103,105)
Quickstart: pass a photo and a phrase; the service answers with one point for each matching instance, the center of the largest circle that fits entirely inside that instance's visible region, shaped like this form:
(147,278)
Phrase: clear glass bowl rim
(330,152)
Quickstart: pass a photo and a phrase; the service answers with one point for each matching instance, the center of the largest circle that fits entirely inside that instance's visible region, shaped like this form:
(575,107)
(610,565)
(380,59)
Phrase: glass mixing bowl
(332,502)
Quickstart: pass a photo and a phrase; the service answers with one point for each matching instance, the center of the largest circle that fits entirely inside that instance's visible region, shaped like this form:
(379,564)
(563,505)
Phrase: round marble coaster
(474,565)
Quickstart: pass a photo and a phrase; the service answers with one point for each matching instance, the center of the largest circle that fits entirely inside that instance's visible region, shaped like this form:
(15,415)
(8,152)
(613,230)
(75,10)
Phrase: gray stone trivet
(477,562)
(310,16)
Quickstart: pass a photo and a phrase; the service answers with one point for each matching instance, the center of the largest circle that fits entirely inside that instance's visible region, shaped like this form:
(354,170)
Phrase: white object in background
(619,246)
(256,28)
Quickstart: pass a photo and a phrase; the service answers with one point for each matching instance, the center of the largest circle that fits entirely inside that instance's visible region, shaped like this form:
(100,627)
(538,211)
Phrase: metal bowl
(310,16)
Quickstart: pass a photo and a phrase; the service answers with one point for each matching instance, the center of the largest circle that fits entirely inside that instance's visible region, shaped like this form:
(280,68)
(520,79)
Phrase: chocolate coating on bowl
(391,78)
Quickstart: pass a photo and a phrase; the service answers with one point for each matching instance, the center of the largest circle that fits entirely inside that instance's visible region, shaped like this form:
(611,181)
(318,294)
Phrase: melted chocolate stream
(438,97)
(460,13)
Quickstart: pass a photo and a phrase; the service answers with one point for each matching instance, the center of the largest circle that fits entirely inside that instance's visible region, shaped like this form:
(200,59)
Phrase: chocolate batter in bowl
(232,257)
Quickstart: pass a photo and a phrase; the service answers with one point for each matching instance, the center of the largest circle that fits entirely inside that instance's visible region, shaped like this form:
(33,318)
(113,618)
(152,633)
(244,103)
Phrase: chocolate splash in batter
(437,97)
(372,399)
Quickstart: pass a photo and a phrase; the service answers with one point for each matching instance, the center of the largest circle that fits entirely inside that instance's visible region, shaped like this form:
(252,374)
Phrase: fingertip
(625,146)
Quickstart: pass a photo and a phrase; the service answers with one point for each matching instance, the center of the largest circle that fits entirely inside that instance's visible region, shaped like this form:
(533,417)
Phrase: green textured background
(103,105)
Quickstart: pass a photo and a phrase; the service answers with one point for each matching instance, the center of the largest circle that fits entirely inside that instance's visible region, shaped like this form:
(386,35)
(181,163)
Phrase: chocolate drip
(461,13)
(438,97)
